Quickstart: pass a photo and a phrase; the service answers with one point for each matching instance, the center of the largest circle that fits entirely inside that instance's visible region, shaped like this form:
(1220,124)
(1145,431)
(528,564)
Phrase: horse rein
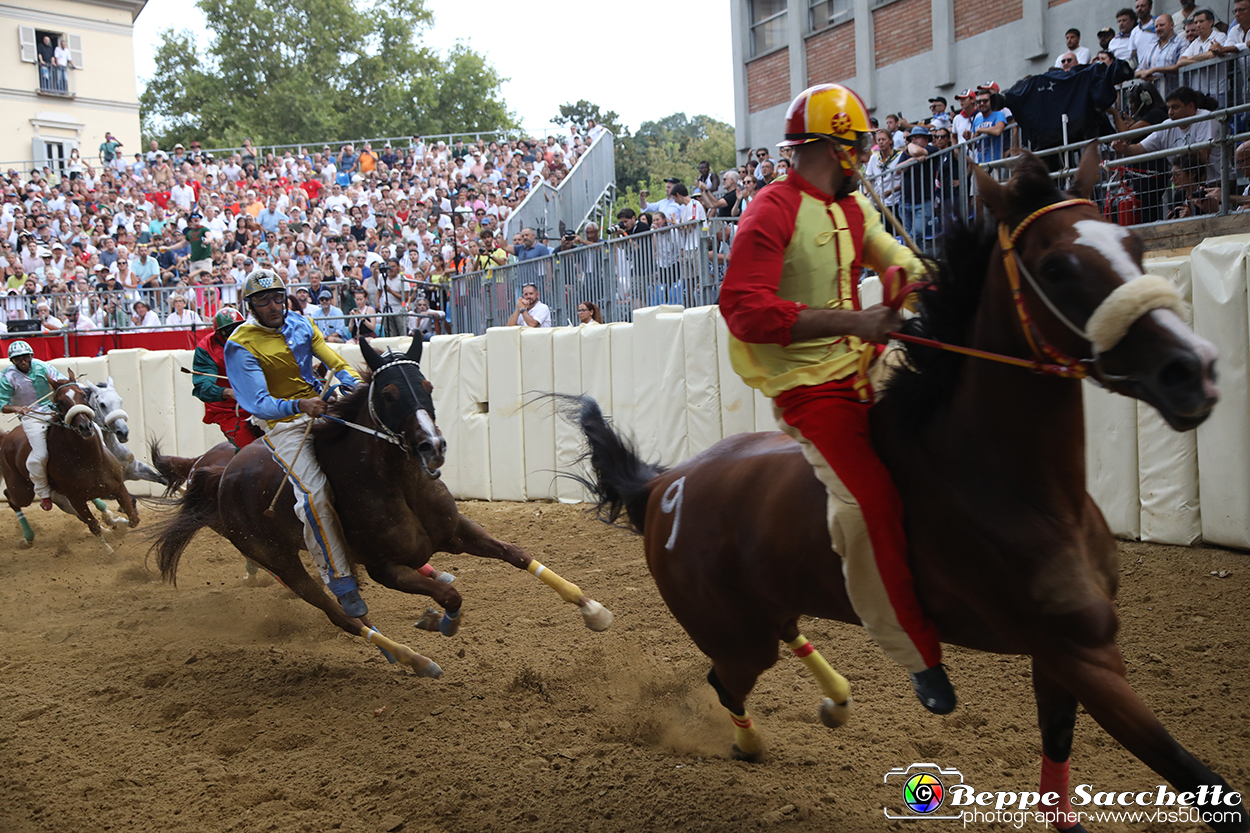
(1047,359)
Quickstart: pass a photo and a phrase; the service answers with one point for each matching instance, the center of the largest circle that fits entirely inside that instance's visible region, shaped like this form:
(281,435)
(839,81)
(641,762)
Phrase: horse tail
(621,480)
(175,470)
(197,508)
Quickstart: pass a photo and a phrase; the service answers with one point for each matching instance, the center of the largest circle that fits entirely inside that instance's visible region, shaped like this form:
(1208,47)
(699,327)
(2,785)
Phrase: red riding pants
(865,518)
(238,430)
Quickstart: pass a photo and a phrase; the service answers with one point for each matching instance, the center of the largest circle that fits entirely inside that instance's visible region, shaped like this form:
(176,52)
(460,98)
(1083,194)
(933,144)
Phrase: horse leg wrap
(99,504)
(835,711)
(424,666)
(1055,780)
(746,738)
(28,534)
(428,571)
(568,591)
(450,624)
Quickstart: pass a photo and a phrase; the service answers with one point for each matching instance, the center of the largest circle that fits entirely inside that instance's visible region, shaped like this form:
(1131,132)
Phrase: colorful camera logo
(923,793)
(924,789)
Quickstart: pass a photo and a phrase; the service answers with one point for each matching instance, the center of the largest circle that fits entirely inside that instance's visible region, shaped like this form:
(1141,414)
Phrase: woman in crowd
(588,313)
(363,327)
(181,316)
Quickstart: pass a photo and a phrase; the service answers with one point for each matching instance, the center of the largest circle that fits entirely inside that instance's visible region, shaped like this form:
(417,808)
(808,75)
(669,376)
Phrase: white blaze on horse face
(670,502)
(1108,240)
(427,424)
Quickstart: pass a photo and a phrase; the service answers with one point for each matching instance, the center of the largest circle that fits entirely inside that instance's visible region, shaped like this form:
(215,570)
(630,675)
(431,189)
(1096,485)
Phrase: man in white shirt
(530,312)
(337,198)
(1237,39)
(1121,45)
(182,194)
(144,317)
(1182,104)
(1072,40)
(1144,33)
(1201,49)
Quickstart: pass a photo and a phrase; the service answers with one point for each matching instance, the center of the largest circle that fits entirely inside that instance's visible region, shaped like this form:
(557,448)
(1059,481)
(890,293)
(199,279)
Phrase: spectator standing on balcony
(1161,59)
(47,60)
(665,206)
(709,180)
(63,60)
(530,312)
(1203,47)
(938,117)
(1072,42)
(1121,46)
(1144,33)
(918,181)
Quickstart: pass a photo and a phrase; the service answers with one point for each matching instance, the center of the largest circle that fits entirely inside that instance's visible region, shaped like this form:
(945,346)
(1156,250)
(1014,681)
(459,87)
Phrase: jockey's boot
(934,690)
(348,594)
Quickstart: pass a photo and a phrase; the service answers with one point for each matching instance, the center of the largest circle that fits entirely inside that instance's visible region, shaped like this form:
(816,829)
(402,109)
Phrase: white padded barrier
(507,422)
(671,397)
(566,345)
(737,398)
(1220,270)
(703,407)
(443,355)
(659,380)
(871,292)
(125,368)
(475,462)
(621,355)
(1111,459)
(597,364)
(1167,460)
(538,378)
(157,369)
(188,411)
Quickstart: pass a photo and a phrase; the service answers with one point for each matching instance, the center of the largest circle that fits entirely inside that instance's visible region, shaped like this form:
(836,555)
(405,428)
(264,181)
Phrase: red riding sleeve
(748,297)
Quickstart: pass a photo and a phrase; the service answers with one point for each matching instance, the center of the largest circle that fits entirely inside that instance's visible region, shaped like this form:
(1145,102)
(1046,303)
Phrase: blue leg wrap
(450,624)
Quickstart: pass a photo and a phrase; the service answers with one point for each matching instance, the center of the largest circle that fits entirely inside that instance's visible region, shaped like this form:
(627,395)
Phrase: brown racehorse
(1009,553)
(79,467)
(381,453)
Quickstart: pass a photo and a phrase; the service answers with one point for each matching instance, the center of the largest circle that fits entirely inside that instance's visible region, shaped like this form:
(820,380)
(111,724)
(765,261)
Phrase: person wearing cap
(789,301)
(988,126)
(665,206)
(210,386)
(108,149)
(938,117)
(26,390)
(198,235)
(269,365)
(1105,34)
(329,318)
(917,177)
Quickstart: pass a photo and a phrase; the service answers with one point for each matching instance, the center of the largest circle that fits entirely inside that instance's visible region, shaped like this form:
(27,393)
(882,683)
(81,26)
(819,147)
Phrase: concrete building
(895,53)
(50,110)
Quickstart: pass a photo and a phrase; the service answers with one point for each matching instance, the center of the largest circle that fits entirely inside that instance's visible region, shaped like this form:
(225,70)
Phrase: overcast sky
(622,57)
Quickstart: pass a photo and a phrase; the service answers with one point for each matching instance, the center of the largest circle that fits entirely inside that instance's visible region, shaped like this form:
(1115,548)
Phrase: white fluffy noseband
(73,412)
(1129,302)
(113,416)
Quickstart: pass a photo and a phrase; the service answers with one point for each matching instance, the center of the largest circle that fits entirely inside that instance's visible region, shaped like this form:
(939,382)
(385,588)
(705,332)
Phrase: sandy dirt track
(132,705)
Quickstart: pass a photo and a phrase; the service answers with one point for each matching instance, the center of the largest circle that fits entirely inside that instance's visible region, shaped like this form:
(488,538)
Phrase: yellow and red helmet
(826,111)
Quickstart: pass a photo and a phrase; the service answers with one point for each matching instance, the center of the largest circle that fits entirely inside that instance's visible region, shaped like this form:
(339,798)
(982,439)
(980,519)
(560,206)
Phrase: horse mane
(345,407)
(922,384)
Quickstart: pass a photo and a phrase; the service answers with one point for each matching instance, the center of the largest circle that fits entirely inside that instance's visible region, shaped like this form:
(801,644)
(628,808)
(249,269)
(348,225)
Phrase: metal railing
(400,143)
(56,80)
(552,209)
(1224,79)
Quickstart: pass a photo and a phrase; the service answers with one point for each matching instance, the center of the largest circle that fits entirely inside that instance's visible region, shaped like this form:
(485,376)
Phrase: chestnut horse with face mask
(1009,553)
(80,468)
(381,451)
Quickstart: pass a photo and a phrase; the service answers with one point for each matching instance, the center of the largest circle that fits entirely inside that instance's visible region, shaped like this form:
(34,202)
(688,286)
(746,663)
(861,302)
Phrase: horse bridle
(1049,360)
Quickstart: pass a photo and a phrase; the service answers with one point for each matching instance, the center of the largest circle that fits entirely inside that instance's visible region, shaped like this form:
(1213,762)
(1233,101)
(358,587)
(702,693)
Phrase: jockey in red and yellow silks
(791,301)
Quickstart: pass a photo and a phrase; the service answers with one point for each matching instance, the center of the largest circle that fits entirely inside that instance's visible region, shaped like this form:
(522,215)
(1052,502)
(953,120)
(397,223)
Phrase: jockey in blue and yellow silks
(269,362)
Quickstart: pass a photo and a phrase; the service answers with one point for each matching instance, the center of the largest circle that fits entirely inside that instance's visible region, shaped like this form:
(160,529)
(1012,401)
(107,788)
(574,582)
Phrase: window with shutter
(26,37)
(75,50)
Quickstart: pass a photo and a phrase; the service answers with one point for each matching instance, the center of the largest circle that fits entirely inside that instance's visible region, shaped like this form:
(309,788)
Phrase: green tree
(281,71)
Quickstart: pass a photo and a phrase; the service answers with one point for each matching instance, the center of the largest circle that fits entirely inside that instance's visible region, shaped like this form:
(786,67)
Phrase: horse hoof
(25,544)
(449,625)
(430,669)
(429,620)
(108,550)
(749,757)
(446,578)
(598,618)
(834,714)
